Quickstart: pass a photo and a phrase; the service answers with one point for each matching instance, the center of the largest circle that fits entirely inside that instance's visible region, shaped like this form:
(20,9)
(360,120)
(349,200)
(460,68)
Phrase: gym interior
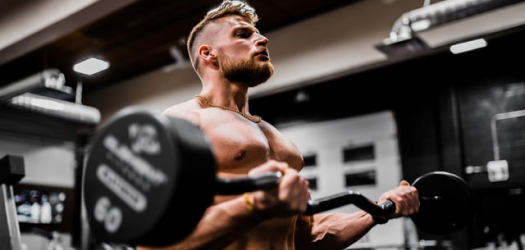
(367,103)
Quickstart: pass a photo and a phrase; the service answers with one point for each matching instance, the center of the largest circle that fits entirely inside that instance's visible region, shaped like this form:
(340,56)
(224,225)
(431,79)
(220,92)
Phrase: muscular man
(230,56)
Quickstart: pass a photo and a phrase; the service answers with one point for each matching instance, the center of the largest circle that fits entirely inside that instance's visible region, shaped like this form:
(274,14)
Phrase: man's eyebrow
(249,28)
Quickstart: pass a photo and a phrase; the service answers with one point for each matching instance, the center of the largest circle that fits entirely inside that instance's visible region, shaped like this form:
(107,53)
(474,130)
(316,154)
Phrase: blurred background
(371,91)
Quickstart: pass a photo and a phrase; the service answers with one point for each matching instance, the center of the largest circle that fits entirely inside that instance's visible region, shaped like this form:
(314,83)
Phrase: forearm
(335,231)
(220,226)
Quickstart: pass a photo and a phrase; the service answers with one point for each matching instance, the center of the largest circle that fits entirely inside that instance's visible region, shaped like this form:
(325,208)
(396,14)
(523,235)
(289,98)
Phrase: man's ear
(205,53)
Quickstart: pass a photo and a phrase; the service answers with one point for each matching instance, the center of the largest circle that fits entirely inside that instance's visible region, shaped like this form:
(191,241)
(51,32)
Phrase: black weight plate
(195,185)
(137,174)
(446,203)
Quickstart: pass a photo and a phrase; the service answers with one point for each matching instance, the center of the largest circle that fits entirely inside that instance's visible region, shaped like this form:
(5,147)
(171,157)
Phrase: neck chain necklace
(256,120)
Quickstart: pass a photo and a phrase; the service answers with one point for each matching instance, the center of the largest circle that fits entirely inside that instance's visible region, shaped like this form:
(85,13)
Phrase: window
(358,153)
(362,178)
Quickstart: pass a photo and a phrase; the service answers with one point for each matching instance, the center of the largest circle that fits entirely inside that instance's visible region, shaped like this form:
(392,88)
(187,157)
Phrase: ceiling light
(91,66)
(302,96)
(468,46)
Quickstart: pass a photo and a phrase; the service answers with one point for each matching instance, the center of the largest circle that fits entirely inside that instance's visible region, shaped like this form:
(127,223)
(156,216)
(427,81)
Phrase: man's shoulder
(187,110)
(189,105)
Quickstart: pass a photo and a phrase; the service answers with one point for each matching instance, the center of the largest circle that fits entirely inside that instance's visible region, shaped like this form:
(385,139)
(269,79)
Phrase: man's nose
(262,40)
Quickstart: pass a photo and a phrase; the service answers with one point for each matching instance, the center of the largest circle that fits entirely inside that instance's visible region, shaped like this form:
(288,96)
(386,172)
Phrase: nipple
(240,155)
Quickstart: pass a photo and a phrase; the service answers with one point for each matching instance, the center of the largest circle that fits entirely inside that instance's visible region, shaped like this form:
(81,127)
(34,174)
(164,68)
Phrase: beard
(247,72)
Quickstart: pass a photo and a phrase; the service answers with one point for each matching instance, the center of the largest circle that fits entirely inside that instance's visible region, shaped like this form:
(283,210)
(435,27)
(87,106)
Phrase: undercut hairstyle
(226,8)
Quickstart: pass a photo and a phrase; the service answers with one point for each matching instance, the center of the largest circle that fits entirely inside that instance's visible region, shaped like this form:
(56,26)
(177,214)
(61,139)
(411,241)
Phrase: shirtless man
(230,56)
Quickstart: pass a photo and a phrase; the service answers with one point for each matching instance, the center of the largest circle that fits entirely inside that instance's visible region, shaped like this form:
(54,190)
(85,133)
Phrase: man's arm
(332,230)
(339,230)
(228,221)
(220,225)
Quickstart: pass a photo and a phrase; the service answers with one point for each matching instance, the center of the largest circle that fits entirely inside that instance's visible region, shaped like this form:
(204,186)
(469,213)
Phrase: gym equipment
(11,172)
(53,237)
(41,93)
(149,178)
(51,79)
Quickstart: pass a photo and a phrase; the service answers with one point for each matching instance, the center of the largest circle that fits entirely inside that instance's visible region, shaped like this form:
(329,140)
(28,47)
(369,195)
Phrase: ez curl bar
(145,170)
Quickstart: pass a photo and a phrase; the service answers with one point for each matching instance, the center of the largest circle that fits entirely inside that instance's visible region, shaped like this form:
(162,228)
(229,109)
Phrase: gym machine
(11,172)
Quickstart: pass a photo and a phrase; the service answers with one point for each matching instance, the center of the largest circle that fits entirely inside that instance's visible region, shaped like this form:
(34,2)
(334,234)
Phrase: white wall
(156,90)
(328,139)
(45,164)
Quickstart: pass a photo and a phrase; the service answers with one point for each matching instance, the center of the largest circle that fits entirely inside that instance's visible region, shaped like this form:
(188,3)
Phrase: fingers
(270,166)
(404,183)
(405,197)
(292,194)
(294,190)
(408,199)
(290,197)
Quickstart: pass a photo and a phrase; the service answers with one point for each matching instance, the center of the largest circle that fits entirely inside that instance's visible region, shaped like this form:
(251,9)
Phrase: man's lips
(263,53)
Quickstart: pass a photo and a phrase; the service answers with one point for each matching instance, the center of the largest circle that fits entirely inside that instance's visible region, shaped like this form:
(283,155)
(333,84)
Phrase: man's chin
(255,84)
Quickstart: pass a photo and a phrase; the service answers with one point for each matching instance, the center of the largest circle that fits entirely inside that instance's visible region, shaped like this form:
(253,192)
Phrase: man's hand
(405,197)
(289,198)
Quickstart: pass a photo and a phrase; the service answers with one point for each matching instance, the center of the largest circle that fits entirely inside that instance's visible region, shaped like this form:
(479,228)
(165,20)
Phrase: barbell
(149,178)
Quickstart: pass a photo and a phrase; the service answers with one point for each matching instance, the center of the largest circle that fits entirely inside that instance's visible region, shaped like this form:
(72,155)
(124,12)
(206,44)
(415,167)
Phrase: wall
(442,106)
(45,164)
(328,140)
(156,90)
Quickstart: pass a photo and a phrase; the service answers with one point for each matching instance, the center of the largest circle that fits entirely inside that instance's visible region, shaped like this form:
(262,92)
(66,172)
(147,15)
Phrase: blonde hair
(227,7)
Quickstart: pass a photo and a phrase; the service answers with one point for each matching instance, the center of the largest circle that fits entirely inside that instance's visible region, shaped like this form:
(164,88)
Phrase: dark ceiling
(137,38)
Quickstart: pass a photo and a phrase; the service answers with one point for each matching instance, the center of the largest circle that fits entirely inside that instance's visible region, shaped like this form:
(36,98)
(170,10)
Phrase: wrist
(249,203)
(378,221)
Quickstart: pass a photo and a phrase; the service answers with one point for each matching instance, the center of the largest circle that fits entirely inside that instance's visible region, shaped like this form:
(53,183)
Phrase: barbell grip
(347,198)
(233,186)
(267,181)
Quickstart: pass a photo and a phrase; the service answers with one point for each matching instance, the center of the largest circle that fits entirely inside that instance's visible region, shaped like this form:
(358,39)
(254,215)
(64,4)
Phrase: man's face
(243,55)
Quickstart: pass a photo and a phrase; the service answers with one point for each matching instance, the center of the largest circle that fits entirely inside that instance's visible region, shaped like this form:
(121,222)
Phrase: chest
(239,145)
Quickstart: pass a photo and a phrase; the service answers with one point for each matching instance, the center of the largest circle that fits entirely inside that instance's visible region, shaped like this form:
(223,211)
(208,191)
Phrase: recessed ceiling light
(468,46)
(91,66)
